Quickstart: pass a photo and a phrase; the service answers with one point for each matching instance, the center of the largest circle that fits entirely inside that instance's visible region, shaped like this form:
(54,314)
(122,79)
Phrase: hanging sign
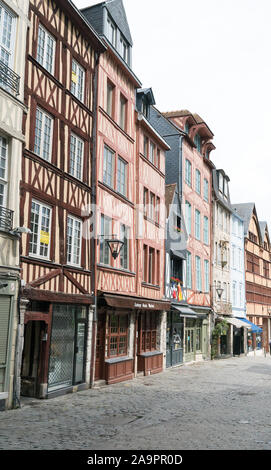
(44,237)
(74,77)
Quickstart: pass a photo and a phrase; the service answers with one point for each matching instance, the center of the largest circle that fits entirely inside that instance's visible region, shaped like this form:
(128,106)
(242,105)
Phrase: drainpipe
(94,217)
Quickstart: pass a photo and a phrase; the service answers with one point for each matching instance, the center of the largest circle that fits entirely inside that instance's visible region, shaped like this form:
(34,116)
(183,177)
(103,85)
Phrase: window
(151,266)
(74,238)
(188,219)
(145,201)
(117,335)
(77,80)
(152,153)
(189,270)
(266,269)
(206,230)
(197,224)
(7,42)
(206,275)
(146,146)
(3,171)
(43,135)
(198,182)
(124,48)
(188,172)
(206,190)
(197,142)
(157,210)
(123,108)
(152,206)
(122,177)
(148,332)
(124,252)
(158,158)
(177,269)
(40,225)
(234,293)
(241,294)
(46,49)
(76,157)
(106,232)
(111,32)
(145,263)
(198,273)
(108,167)
(110,98)
(233,253)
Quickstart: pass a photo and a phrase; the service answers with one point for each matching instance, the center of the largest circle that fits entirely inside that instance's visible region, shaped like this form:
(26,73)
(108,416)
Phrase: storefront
(254,337)
(8,297)
(129,337)
(55,349)
(196,336)
(175,338)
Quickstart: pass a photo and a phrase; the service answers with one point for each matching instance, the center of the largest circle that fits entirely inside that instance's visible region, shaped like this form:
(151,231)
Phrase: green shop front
(187,335)
(196,326)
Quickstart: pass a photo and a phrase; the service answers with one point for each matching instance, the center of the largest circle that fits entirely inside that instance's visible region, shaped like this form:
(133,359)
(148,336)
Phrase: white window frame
(77,90)
(111,27)
(197,224)
(122,164)
(124,49)
(124,235)
(198,273)
(78,158)
(4,179)
(71,254)
(8,49)
(31,253)
(43,60)
(206,275)
(106,232)
(107,151)
(40,153)
(206,230)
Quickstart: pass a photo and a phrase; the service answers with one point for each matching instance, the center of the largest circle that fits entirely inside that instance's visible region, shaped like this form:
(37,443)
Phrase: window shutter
(4,324)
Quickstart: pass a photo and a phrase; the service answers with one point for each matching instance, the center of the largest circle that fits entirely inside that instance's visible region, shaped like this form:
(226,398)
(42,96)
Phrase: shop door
(204,341)
(79,356)
(100,343)
(62,348)
(190,347)
(174,351)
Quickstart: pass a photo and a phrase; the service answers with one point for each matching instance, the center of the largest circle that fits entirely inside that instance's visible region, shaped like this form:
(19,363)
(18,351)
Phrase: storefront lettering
(138,305)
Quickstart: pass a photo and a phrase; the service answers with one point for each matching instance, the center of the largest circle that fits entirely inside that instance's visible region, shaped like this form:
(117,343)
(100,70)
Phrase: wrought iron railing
(9,80)
(6,219)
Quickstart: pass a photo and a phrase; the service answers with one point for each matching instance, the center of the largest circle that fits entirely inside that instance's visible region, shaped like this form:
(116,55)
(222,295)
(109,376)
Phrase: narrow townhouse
(192,169)
(13,30)
(130,225)
(258,278)
(56,194)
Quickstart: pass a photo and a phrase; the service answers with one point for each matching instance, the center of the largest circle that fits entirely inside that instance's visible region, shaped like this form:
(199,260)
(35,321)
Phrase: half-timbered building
(129,304)
(13,30)
(257,277)
(56,196)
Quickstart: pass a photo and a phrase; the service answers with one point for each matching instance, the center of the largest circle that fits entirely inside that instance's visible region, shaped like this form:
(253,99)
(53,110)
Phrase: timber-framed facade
(56,196)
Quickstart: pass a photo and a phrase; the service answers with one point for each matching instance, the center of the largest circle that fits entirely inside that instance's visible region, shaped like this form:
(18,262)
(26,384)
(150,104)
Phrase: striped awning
(236,322)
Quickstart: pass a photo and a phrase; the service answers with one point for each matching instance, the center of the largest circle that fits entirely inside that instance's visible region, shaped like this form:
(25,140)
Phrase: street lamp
(115,246)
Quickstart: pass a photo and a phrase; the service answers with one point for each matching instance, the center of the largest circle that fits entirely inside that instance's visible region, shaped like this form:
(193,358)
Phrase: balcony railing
(9,80)
(6,219)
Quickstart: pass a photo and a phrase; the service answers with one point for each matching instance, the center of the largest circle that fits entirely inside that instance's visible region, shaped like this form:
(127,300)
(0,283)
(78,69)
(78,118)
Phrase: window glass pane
(121,177)
(108,167)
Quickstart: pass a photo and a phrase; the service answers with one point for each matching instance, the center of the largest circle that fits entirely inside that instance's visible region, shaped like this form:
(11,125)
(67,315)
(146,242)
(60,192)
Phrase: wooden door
(100,344)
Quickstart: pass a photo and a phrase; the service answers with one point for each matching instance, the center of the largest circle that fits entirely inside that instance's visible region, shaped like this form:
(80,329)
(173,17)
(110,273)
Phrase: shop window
(148,332)
(117,336)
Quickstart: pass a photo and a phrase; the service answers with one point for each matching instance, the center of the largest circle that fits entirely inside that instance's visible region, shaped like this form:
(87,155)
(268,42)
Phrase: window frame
(124,235)
(78,140)
(5,167)
(42,59)
(117,335)
(39,230)
(75,89)
(106,226)
(123,112)
(72,262)
(42,136)
(197,224)
(188,172)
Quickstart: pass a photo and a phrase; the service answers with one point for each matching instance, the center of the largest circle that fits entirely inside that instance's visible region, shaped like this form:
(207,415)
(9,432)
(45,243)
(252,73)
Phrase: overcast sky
(213,58)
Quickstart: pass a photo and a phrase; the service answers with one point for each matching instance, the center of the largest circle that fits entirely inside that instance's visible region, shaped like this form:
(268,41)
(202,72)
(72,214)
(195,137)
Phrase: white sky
(213,57)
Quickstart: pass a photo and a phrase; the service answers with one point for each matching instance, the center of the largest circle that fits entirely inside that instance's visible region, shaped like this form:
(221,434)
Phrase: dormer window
(111,32)
(186,127)
(124,48)
(145,108)
(223,186)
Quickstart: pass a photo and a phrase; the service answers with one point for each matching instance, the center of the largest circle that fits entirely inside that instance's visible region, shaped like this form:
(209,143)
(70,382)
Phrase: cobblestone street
(222,404)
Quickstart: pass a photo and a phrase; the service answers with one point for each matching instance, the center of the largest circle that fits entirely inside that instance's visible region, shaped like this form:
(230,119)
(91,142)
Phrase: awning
(185,311)
(181,254)
(236,322)
(254,328)
(136,303)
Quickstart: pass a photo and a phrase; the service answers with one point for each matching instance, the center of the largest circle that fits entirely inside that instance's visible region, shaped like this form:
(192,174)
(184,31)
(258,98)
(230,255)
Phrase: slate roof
(245,210)
(169,195)
(117,12)
(225,202)
(263,226)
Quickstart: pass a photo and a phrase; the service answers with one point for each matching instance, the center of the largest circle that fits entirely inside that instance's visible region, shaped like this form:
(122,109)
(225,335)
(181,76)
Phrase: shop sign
(143,305)
(44,237)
